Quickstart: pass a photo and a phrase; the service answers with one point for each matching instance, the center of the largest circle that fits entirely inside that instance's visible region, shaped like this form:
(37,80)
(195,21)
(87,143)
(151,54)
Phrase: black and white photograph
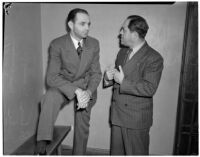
(100,78)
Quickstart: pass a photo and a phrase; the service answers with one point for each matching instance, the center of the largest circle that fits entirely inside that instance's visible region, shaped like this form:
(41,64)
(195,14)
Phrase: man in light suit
(73,73)
(135,79)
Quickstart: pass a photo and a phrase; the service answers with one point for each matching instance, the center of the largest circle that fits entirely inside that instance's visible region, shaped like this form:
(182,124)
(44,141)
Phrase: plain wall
(166,33)
(22,74)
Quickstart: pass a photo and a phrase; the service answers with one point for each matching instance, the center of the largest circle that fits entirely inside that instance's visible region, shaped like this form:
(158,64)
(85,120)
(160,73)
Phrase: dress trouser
(50,107)
(125,141)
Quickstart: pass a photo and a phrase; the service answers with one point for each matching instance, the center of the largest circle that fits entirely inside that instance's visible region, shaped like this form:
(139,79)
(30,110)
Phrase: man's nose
(87,27)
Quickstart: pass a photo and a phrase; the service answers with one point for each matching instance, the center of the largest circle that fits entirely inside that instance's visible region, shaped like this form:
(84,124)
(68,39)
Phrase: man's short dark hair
(72,15)
(138,24)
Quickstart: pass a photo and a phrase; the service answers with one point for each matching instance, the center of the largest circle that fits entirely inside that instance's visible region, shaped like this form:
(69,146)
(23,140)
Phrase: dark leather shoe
(41,147)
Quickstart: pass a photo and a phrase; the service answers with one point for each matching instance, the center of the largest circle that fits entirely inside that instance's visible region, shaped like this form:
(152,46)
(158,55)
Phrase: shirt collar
(76,41)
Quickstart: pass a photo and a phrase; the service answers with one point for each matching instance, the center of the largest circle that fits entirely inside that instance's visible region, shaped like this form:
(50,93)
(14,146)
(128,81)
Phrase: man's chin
(85,35)
(122,44)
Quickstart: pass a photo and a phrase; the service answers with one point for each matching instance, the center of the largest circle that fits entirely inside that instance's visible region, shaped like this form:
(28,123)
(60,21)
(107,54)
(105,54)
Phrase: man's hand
(83,98)
(119,75)
(109,74)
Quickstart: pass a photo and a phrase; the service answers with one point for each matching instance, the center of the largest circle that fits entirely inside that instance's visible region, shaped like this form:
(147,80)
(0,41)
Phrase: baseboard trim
(90,150)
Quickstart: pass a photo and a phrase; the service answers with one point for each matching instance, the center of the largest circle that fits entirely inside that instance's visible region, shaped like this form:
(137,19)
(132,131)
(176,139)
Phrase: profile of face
(126,36)
(80,26)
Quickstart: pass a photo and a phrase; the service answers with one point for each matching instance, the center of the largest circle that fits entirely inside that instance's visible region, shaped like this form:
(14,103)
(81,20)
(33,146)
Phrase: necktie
(79,50)
(127,55)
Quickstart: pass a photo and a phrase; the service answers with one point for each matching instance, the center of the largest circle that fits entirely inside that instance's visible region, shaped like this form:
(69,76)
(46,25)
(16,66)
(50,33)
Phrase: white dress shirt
(76,41)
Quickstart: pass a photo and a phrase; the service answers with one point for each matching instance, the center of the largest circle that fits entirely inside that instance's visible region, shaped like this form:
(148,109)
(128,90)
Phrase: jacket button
(126,105)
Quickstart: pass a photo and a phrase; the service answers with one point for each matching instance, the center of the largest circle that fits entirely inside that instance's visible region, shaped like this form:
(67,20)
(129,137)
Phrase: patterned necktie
(79,50)
(127,55)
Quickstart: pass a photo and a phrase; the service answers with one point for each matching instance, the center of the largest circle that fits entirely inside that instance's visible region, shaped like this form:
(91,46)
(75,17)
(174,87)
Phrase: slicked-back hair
(72,15)
(138,24)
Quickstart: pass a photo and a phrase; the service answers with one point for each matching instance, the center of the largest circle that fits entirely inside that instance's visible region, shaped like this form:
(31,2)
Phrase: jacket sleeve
(107,83)
(148,84)
(95,71)
(55,79)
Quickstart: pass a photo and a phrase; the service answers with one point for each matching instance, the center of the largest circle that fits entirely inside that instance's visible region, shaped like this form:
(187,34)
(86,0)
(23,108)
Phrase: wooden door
(186,138)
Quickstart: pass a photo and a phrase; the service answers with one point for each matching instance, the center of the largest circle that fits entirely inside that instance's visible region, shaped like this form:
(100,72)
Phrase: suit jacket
(132,101)
(67,72)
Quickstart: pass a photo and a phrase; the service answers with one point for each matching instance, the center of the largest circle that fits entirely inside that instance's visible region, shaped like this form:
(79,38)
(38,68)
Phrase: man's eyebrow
(83,22)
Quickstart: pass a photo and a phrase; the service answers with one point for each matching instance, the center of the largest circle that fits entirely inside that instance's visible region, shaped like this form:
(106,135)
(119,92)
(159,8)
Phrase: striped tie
(79,50)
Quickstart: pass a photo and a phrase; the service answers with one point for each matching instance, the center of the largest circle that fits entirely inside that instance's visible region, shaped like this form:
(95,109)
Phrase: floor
(68,151)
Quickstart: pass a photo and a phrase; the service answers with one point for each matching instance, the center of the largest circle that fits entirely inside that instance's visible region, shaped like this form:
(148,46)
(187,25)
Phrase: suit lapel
(72,50)
(136,57)
(72,55)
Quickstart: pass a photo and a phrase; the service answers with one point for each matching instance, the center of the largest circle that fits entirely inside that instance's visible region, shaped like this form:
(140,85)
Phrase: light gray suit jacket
(132,101)
(67,72)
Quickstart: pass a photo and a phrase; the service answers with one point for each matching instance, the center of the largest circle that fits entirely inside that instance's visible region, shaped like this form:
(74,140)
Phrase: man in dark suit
(73,73)
(135,79)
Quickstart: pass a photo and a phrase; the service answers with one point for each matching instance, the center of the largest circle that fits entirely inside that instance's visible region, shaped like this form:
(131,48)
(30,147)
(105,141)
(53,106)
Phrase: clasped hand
(83,98)
(113,73)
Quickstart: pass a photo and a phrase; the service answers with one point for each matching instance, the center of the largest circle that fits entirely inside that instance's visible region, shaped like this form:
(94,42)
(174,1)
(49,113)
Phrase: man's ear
(135,34)
(70,24)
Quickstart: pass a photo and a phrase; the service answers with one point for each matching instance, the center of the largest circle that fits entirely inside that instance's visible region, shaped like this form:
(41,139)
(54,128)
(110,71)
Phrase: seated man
(73,74)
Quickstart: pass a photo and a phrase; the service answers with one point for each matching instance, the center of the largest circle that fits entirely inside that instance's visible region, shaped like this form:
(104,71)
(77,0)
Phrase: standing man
(73,74)
(136,76)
